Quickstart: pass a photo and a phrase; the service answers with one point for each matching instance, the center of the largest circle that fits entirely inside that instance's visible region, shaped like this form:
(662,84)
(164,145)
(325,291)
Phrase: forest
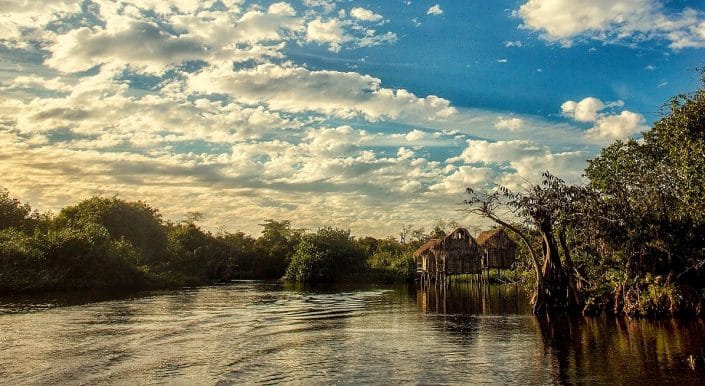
(108,242)
(631,240)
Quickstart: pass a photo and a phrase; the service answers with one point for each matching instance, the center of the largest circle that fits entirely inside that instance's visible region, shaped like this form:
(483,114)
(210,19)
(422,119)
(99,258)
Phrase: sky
(364,115)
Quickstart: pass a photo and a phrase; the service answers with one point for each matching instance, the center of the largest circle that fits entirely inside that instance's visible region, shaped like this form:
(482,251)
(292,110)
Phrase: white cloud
(435,10)
(21,20)
(584,111)
(284,9)
(607,126)
(480,151)
(142,43)
(501,60)
(326,5)
(613,20)
(365,14)
(465,177)
(612,127)
(516,43)
(511,124)
(330,32)
(415,135)
(296,89)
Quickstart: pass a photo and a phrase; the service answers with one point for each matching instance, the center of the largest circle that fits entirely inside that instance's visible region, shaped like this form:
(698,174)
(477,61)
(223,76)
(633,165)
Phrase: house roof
(486,235)
(428,245)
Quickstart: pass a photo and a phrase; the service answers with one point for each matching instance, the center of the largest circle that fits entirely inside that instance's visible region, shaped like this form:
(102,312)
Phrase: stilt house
(498,249)
(457,253)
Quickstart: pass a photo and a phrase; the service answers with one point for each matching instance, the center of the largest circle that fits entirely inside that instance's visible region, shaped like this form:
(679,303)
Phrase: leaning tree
(549,208)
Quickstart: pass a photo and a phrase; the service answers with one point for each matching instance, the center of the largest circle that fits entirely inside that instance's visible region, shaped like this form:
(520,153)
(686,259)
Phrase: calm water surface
(258,332)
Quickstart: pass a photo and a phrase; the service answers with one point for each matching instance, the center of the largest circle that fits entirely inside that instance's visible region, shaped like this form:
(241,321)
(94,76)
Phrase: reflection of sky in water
(259,332)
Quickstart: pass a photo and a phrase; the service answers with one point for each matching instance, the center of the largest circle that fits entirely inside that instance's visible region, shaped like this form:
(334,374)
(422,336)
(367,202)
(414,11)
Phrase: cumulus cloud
(612,127)
(466,177)
(518,162)
(435,10)
(296,89)
(330,32)
(415,135)
(481,151)
(365,14)
(608,126)
(613,20)
(511,124)
(584,111)
(326,5)
(22,21)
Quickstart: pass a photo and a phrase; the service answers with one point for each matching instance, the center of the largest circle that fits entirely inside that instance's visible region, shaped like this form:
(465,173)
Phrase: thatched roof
(426,247)
(486,235)
(499,248)
(458,233)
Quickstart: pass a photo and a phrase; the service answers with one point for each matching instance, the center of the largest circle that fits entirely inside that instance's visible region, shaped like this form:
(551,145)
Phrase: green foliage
(327,255)
(242,256)
(189,250)
(392,261)
(21,260)
(135,221)
(653,195)
(19,215)
(279,240)
(87,257)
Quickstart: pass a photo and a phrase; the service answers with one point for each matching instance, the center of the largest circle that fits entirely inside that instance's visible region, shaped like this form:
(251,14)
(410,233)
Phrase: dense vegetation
(110,242)
(630,241)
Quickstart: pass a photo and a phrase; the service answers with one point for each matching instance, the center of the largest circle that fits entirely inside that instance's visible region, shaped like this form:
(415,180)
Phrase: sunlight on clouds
(294,89)
(326,32)
(613,20)
(197,105)
(608,126)
(365,14)
(511,124)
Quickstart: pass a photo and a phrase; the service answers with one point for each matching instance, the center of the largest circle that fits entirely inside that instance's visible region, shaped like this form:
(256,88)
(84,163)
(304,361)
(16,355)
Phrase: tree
(653,195)
(16,214)
(278,240)
(547,208)
(134,221)
(325,256)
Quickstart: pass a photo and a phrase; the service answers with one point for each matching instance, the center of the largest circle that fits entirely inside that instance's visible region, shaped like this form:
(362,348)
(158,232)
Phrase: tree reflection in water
(621,350)
(580,348)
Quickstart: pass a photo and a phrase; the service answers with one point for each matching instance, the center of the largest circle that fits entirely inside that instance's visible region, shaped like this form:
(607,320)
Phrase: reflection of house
(457,253)
(498,249)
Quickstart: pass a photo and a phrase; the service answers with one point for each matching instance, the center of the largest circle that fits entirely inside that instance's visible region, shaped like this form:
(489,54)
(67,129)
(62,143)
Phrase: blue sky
(358,114)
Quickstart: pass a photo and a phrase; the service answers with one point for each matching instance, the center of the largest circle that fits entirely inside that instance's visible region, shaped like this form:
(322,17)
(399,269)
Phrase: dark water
(255,332)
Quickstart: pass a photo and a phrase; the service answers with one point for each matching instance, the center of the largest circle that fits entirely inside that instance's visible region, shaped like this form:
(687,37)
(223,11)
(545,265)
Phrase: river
(264,332)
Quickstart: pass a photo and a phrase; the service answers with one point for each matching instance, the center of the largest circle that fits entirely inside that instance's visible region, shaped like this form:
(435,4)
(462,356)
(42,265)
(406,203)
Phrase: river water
(261,332)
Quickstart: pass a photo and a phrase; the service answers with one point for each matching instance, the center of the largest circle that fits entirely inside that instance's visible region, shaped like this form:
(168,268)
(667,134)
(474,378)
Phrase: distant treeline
(110,242)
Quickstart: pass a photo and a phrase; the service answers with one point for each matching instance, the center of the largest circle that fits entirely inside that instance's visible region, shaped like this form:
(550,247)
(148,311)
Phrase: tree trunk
(570,268)
(554,292)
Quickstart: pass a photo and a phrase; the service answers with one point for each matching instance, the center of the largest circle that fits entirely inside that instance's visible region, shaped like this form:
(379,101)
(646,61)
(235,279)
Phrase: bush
(135,222)
(87,257)
(22,262)
(327,255)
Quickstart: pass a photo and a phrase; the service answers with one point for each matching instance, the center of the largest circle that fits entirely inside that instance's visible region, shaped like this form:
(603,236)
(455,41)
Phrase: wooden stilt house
(457,253)
(498,249)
